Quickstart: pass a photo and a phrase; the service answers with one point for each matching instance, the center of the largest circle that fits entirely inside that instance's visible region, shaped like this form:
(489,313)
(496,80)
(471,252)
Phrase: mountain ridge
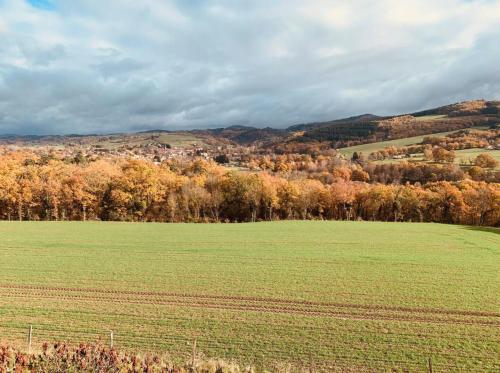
(359,129)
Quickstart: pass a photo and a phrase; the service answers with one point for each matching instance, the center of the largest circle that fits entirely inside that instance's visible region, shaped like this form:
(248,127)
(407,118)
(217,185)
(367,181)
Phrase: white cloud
(3,26)
(336,14)
(90,66)
(416,13)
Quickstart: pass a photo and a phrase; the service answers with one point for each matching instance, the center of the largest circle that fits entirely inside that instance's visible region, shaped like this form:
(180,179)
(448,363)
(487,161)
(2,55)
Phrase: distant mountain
(245,135)
(354,130)
(154,131)
(352,120)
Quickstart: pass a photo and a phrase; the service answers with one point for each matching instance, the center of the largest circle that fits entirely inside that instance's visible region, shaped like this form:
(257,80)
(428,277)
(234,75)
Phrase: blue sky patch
(42,4)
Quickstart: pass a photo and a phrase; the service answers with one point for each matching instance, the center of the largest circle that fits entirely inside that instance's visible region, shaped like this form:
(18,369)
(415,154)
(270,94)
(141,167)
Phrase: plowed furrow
(263,300)
(356,314)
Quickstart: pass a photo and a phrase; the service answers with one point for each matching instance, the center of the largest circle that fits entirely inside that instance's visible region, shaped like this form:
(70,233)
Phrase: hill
(356,130)
(244,135)
(359,119)
(369,128)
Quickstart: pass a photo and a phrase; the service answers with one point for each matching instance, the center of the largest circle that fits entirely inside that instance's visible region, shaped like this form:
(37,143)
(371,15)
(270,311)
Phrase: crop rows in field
(269,305)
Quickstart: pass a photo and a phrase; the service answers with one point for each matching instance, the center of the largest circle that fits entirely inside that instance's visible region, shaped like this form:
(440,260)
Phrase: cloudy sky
(88,66)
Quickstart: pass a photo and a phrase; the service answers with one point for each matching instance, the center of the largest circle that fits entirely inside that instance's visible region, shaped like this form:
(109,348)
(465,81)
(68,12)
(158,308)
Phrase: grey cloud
(120,67)
(175,65)
(42,56)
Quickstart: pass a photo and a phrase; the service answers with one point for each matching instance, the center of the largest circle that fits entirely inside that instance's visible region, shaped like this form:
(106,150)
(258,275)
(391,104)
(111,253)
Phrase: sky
(94,66)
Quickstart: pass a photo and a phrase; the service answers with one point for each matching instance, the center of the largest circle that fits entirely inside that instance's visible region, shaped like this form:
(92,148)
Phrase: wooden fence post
(194,353)
(30,335)
(430,365)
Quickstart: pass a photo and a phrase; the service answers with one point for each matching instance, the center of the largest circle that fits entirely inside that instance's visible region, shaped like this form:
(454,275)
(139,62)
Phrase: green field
(468,155)
(359,295)
(462,157)
(430,117)
(179,139)
(366,149)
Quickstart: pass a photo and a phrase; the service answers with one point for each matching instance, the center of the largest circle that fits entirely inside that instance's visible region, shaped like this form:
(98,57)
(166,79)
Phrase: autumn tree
(485,161)
(313,187)
(442,155)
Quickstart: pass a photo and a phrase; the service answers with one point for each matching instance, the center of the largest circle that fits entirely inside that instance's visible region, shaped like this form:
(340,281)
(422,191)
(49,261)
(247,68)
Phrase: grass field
(174,139)
(369,296)
(366,149)
(462,157)
(180,139)
(430,117)
(468,155)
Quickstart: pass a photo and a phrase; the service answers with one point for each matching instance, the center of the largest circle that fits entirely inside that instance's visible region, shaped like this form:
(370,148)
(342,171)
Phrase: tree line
(328,169)
(34,188)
